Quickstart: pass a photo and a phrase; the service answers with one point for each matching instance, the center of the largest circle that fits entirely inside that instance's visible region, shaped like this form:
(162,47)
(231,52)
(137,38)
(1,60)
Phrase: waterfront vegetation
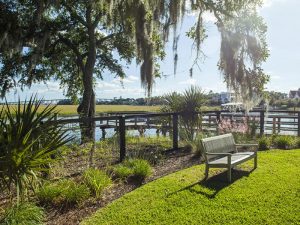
(278,141)
(57,175)
(71,110)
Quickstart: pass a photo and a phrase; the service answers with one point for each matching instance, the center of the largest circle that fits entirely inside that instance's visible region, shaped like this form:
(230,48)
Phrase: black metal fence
(266,122)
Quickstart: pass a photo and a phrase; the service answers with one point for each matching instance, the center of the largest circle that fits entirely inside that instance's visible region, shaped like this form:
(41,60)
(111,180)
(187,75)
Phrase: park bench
(221,152)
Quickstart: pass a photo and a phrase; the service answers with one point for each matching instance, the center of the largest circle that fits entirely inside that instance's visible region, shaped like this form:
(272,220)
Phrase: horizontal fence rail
(265,122)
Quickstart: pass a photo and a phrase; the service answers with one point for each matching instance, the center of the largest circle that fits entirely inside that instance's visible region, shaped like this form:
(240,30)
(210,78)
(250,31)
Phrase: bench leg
(206,172)
(229,174)
(255,161)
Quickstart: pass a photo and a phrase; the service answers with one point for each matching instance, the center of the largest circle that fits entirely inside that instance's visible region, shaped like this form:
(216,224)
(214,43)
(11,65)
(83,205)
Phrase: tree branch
(69,44)
(101,40)
(97,19)
(74,14)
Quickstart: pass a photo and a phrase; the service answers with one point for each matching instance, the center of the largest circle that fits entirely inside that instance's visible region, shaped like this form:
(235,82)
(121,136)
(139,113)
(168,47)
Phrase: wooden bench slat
(235,158)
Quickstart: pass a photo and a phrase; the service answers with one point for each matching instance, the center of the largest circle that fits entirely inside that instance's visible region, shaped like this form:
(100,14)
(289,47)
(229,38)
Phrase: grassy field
(72,109)
(67,110)
(268,195)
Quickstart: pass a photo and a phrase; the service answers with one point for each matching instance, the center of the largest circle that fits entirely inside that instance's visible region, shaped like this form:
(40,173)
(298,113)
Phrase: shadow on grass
(211,187)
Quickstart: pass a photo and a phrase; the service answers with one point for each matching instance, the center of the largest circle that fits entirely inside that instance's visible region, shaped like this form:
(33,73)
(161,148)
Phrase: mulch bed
(172,162)
(175,161)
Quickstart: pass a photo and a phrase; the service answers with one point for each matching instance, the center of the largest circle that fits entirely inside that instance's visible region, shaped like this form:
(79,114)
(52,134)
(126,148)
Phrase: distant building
(294,94)
(226,97)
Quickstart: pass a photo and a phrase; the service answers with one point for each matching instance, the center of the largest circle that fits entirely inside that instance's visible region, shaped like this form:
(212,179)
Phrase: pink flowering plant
(232,126)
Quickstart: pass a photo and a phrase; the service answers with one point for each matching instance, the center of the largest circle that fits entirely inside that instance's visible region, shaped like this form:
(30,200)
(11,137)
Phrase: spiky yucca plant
(29,137)
(189,105)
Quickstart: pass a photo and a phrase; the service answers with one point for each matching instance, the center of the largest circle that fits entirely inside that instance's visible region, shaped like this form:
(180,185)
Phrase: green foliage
(297,142)
(187,104)
(268,195)
(29,140)
(264,143)
(122,172)
(243,37)
(284,142)
(241,138)
(24,214)
(136,168)
(148,148)
(96,180)
(63,192)
(141,168)
(196,144)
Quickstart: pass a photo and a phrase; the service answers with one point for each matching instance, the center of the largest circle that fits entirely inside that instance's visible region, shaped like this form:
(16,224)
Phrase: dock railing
(266,122)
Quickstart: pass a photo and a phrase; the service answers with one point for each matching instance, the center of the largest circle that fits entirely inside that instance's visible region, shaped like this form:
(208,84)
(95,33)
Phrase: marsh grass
(68,110)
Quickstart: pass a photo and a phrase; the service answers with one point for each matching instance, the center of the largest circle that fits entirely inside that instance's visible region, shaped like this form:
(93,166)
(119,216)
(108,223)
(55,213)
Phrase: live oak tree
(76,41)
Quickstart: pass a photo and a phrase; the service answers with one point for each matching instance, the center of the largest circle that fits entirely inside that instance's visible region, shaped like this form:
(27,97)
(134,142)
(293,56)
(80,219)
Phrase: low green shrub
(297,143)
(264,143)
(64,192)
(24,214)
(122,172)
(141,168)
(148,148)
(151,153)
(136,168)
(284,142)
(96,180)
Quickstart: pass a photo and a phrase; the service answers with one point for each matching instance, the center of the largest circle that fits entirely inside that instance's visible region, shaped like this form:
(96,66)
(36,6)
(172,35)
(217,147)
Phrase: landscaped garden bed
(61,212)
(47,178)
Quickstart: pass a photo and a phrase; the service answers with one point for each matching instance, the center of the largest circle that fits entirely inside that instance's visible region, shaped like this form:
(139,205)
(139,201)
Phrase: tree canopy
(75,41)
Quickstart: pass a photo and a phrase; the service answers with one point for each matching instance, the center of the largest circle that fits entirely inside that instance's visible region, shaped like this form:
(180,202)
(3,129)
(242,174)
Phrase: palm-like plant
(189,105)
(29,137)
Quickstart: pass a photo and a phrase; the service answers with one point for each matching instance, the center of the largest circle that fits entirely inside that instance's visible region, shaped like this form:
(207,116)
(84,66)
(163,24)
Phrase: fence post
(298,124)
(262,123)
(122,134)
(218,117)
(175,131)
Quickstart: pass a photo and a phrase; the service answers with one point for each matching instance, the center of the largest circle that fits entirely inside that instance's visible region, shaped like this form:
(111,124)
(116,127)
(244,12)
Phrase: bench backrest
(219,144)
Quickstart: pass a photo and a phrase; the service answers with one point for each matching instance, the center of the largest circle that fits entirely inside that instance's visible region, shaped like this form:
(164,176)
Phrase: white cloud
(275,77)
(106,85)
(190,81)
(41,88)
(269,3)
(209,17)
(126,80)
(53,86)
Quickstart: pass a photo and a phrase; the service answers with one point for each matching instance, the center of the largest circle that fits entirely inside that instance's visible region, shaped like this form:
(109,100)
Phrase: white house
(294,94)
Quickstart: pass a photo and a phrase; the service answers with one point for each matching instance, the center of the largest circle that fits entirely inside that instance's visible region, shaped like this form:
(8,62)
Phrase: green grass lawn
(268,195)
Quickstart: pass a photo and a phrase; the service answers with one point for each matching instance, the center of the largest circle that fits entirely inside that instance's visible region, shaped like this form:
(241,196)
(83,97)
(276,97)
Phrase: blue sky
(283,20)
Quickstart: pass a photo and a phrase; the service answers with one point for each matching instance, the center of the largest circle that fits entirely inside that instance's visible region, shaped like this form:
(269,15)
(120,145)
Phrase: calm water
(152,132)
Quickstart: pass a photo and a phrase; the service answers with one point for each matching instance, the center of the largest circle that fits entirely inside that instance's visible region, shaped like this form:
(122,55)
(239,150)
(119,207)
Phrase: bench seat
(236,158)
(221,152)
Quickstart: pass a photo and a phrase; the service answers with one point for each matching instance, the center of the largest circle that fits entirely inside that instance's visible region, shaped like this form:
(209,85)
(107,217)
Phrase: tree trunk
(86,109)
